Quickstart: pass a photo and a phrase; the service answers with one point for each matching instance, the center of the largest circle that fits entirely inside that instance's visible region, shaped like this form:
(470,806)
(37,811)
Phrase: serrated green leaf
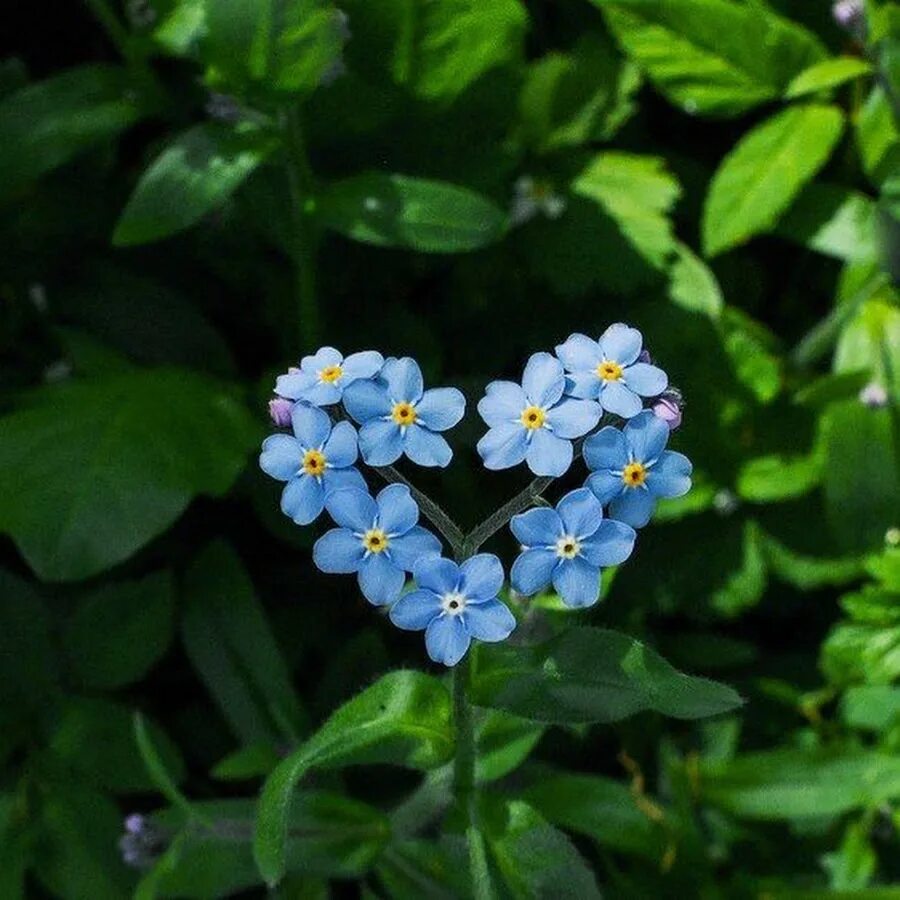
(827,74)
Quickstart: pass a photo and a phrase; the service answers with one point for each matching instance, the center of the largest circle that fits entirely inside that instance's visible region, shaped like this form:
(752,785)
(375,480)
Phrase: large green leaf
(93,471)
(763,174)
(712,57)
(404,719)
(194,175)
(768,479)
(399,211)
(592,675)
(827,74)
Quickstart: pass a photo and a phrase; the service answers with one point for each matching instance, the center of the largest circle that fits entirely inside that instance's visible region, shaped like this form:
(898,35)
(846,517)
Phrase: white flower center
(453,603)
(567,547)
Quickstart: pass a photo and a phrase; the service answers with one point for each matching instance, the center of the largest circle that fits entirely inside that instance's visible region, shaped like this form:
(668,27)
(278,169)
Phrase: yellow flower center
(634,474)
(314,462)
(609,371)
(533,417)
(567,547)
(403,413)
(330,374)
(375,540)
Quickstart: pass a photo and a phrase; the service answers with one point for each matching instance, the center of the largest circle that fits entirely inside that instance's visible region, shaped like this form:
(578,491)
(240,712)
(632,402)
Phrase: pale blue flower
(610,370)
(454,604)
(317,459)
(534,422)
(377,539)
(632,468)
(322,378)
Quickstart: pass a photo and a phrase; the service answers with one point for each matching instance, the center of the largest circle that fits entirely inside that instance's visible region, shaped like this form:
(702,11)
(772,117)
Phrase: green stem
(113,26)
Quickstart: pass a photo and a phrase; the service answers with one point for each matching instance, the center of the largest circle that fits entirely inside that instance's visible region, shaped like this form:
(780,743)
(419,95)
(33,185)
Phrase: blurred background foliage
(193,193)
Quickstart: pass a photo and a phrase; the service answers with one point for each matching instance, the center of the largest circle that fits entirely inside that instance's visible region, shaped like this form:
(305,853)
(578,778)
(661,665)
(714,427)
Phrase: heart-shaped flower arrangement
(602,399)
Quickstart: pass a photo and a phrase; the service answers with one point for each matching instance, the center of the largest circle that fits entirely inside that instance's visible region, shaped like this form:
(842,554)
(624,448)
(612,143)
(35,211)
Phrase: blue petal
(322,393)
(621,344)
(397,511)
(548,454)
(605,485)
(338,552)
(380,580)
(294,385)
(581,513)
(502,403)
(482,577)
(416,610)
(533,570)
(580,354)
(435,573)
(610,545)
(407,549)
(403,378)
(573,418)
(380,442)
(671,476)
(503,446)
(634,507)
(616,398)
(303,499)
(352,509)
(447,640)
(543,381)
(646,380)
(539,527)
(491,621)
(322,359)
(366,400)
(311,425)
(441,408)
(577,582)
(607,449)
(340,449)
(366,364)
(340,479)
(425,448)
(583,386)
(646,436)
(281,457)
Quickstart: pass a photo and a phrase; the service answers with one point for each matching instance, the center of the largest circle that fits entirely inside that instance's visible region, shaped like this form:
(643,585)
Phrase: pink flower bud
(668,407)
(280,411)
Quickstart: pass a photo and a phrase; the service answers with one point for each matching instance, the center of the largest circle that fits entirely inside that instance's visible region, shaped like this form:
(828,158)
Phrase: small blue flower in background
(318,459)
(569,546)
(611,370)
(632,468)
(534,422)
(322,378)
(399,416)
(454,604)
(378,539)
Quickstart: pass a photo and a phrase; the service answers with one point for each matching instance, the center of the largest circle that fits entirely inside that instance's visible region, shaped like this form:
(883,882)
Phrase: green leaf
(591,675)
(404,719)
(637,193)
(878,136)
(864,652)
(693,286)
(750,347)
(744,587)
(871,707)
(254,761)
(503,743)
(159,769)
(809,573)
(193,176)
(712,57)
(180,31)
(852,866)
(399,211)
(119,631)
(769,479)
(94,471)
(870,341)
(827,74)
(229,642)
(44,125)
(761,176)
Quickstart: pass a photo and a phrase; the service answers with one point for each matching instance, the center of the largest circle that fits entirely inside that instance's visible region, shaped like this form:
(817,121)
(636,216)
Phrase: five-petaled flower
(534,422)
(399,416)
(610,370)
(568,546)
(323,377)
(454,604)
(631,469)
(379,539)
(318,459)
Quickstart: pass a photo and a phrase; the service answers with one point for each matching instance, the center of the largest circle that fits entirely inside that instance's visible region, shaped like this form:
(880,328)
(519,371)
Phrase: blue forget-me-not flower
(611,370)
(397,415)
(379,539)
(568,546)
(534,422)
(316,460)
(631,469)
(454,604)
(323,377)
